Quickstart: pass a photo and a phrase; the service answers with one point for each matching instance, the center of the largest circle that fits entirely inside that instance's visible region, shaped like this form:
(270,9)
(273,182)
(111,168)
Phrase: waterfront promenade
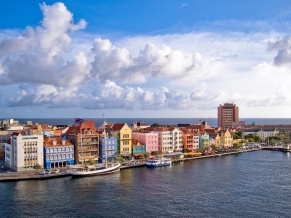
(32,175)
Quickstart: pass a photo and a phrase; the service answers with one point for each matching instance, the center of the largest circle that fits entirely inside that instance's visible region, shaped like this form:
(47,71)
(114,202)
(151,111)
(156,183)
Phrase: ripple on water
(254,184)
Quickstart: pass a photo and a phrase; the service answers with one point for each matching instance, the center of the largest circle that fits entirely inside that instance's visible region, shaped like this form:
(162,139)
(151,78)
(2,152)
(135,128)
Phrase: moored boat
(82,171)
(287,148)
(158,162)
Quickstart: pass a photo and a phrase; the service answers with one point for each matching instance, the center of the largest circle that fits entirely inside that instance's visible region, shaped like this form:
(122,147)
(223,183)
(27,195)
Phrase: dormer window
(54,142)
(63,142)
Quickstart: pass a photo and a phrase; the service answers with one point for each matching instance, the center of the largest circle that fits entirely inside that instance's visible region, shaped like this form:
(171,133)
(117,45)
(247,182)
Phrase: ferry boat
(158,162)
(81,171)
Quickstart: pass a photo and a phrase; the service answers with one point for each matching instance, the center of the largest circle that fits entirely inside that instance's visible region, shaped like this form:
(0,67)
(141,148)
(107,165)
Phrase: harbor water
(252,184)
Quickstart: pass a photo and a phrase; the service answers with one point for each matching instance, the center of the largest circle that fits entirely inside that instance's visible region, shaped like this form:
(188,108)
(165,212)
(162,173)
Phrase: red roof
(117,126)
(48,142)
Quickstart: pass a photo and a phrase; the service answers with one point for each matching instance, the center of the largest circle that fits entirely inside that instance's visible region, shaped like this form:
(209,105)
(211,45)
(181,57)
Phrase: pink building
(149,139)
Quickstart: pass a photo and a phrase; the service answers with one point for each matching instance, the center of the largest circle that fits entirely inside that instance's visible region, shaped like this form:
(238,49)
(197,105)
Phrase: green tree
(253,138)
(119,158)
(240,134)
(272,141)
(286,140)
(91,162)
(146,155)
(199,150)
(213,146)
(154,153)
(37,167)
(236,145)
(156,125)
(235,135)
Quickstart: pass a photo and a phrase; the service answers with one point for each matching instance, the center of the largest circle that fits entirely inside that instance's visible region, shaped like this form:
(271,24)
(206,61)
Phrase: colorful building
(137,148)
(58,152)
(122,133)
(85,138)
(226,138)
(149,139)
(190,140)
(204,140)
(111,146)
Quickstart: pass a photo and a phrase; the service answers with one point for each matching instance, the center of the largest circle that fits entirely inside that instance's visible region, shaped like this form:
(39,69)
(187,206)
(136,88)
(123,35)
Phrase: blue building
(58,152)
(204,139)
(138,149)
(111,146)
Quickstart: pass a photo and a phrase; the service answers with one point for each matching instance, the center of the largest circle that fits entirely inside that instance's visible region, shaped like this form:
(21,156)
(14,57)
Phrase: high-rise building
(227,114)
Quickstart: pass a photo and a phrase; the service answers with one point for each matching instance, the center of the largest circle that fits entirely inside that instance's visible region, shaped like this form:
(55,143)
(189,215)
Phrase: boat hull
(158,162)
(100,172)
(157,165)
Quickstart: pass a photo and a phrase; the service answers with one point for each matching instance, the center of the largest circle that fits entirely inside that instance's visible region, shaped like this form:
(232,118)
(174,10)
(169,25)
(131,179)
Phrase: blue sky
(144,58)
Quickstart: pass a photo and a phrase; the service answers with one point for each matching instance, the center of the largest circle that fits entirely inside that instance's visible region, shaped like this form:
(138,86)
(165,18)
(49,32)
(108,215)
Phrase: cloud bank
(195,71)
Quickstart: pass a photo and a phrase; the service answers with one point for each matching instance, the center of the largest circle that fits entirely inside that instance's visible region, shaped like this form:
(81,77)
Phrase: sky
(144,59)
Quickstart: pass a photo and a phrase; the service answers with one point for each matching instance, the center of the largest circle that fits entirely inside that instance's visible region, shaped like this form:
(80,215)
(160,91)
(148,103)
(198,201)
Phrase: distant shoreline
(164,121)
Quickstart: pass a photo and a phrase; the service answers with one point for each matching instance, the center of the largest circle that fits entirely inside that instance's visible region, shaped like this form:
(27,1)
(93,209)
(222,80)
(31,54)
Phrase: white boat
(287,148)
(82,171)
(158,162)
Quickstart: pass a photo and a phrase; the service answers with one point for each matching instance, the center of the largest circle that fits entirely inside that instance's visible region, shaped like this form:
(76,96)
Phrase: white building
(170,139)
(24,151)
(11,124)
(177,139)
(263,133)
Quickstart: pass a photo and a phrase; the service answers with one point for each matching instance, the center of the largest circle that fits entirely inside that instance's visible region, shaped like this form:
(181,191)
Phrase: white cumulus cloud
(37,56)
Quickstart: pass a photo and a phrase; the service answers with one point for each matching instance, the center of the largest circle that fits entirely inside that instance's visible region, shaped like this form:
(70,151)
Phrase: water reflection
(246,185)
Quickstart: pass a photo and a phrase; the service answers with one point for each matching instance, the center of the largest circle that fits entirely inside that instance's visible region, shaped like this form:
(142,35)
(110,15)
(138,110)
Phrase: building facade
(228,113)
(108,144)
(149,139)
(225,139)
(122,133)
(24,151)
(138,149)
(263,133)
(85,138)
(170,139)
(58,152)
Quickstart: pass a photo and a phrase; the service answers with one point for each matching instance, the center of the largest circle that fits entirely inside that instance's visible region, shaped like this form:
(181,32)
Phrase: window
(125,135)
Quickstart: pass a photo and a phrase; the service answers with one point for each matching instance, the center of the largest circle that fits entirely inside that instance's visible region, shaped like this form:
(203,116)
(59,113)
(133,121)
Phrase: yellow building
(122,132)
(224,138)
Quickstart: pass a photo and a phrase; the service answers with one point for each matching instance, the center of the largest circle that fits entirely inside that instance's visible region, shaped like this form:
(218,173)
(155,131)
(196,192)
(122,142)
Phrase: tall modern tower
(227,114)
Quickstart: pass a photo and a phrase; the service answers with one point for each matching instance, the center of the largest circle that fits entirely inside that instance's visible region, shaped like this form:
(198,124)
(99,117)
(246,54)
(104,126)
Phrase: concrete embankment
(16,176)
(216,155)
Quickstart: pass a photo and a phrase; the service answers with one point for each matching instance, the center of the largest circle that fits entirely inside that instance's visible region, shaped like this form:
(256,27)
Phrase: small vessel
(158,162)
(287,148)
(82,171)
